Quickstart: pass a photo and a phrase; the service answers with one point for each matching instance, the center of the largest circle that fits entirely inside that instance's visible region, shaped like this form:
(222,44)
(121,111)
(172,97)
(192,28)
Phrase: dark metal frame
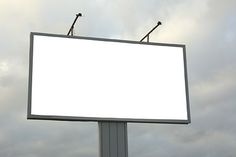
(71,118)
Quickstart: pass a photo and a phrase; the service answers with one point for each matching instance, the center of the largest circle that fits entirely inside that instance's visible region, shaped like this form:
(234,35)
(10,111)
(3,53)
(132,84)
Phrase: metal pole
(72,26)
(113,141)
(147,35)
(72,31)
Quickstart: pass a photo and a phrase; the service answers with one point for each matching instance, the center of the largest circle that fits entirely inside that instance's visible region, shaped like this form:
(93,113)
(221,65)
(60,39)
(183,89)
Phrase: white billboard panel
(78,78)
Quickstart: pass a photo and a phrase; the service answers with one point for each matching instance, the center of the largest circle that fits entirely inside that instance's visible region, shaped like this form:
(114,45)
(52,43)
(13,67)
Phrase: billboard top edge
(106,39)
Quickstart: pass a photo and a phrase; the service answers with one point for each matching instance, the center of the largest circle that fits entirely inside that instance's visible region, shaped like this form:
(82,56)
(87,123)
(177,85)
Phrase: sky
(206,27)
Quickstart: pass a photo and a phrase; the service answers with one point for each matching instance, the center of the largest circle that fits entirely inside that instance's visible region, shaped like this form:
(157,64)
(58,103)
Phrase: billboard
(94,79)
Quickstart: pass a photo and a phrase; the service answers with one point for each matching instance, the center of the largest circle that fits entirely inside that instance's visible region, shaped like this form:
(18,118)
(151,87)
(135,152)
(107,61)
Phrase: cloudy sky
(207,27)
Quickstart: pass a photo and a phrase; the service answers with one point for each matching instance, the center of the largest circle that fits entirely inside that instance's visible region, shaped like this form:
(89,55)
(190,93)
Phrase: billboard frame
(97,119)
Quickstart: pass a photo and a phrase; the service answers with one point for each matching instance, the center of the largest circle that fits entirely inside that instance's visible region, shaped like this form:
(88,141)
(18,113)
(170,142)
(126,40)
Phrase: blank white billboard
(91,79)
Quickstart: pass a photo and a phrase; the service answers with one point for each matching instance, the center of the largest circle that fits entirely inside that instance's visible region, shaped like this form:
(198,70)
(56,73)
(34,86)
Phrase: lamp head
(80,14)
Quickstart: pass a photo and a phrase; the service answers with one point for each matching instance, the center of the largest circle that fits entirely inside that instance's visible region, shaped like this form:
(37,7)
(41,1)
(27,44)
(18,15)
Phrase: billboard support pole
(113,141)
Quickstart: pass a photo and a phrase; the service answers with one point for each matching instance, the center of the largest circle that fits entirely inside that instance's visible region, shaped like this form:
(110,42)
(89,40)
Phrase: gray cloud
(208,30)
